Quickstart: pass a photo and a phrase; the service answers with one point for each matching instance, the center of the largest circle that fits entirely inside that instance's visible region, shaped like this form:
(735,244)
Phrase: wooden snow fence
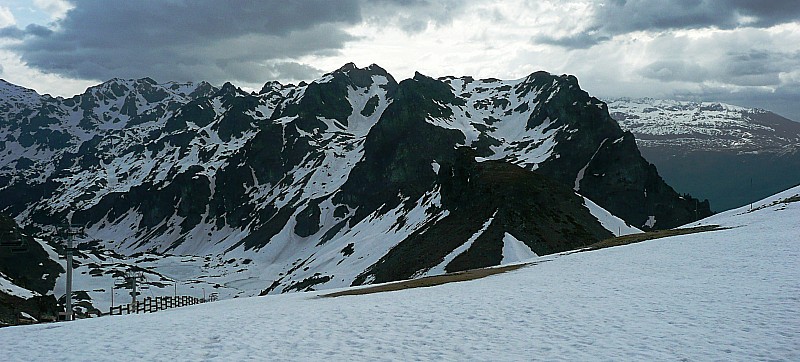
(150,304)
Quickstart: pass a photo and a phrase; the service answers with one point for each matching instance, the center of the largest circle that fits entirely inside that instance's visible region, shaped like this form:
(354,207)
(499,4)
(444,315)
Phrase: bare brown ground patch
(485,272)
(430,281)
(650,235)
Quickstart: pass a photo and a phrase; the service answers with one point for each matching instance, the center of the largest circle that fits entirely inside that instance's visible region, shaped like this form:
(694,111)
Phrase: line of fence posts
(154,304)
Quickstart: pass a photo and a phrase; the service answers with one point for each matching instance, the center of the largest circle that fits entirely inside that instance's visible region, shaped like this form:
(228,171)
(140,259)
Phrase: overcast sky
(737,51)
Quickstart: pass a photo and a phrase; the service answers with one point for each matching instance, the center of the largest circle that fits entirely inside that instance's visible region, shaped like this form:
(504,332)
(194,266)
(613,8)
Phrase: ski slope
(732,294)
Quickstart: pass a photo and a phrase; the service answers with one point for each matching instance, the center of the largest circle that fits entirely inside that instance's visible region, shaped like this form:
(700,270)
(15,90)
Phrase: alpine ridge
(350,179)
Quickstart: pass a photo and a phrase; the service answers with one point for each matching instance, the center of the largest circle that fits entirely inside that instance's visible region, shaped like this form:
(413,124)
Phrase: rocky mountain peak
(347,67)
(420,77)
(13,96)
(228,89)
(271,86)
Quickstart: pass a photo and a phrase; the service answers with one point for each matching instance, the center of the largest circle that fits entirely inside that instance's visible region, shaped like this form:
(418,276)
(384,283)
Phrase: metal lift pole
(69,232)
(133,288)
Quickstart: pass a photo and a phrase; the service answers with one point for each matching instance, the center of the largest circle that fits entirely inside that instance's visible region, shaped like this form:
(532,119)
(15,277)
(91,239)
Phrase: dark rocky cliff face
(350,179)
(626,183)
(489,200)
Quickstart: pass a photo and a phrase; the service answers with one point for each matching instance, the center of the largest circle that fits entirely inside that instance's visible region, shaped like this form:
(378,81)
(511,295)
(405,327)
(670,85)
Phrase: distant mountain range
(729,154)
(350,179)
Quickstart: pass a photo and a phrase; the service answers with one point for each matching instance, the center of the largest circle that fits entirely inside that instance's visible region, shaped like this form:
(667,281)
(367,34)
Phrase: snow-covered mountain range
(729,154)
(347,180)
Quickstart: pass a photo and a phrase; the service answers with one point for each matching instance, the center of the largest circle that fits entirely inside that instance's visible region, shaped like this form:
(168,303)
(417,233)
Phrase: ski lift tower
(133,280)
(68,232)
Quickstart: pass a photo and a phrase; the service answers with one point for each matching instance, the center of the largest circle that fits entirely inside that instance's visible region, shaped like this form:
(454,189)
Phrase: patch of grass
(650,235)
(429,281)
(795,198)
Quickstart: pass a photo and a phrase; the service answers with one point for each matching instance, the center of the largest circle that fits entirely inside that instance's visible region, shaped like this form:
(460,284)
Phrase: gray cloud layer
(624,16)
(238,40)
(187,40)
(742,68)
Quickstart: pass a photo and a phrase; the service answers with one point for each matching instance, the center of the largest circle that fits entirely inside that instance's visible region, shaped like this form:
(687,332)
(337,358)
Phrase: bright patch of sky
(25,12)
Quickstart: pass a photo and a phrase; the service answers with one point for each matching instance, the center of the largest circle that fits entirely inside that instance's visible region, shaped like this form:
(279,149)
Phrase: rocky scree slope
(732,155)
(350,179)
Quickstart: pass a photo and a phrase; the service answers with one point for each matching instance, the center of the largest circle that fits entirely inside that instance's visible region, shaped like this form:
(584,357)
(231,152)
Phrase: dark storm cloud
(576,41)
(247,41)
(187,40)
(624,16)
(12,32)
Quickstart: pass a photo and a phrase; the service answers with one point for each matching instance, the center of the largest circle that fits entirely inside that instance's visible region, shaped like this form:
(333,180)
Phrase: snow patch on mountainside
(579,177)
(350,252)
(515,251)
(615,225)
(14,98)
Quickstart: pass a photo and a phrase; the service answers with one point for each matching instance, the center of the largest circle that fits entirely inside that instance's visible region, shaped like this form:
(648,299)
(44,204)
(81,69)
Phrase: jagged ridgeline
(350,179)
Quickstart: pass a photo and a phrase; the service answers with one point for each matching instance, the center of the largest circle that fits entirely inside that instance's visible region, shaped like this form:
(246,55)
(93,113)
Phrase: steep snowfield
(724,295)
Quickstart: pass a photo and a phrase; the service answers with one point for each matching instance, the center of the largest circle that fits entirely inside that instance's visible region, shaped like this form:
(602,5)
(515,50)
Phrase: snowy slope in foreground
(724,295)
(758,213)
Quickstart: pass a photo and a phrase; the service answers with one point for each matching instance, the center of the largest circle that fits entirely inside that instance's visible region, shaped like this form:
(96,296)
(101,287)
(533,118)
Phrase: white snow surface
(725,295)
